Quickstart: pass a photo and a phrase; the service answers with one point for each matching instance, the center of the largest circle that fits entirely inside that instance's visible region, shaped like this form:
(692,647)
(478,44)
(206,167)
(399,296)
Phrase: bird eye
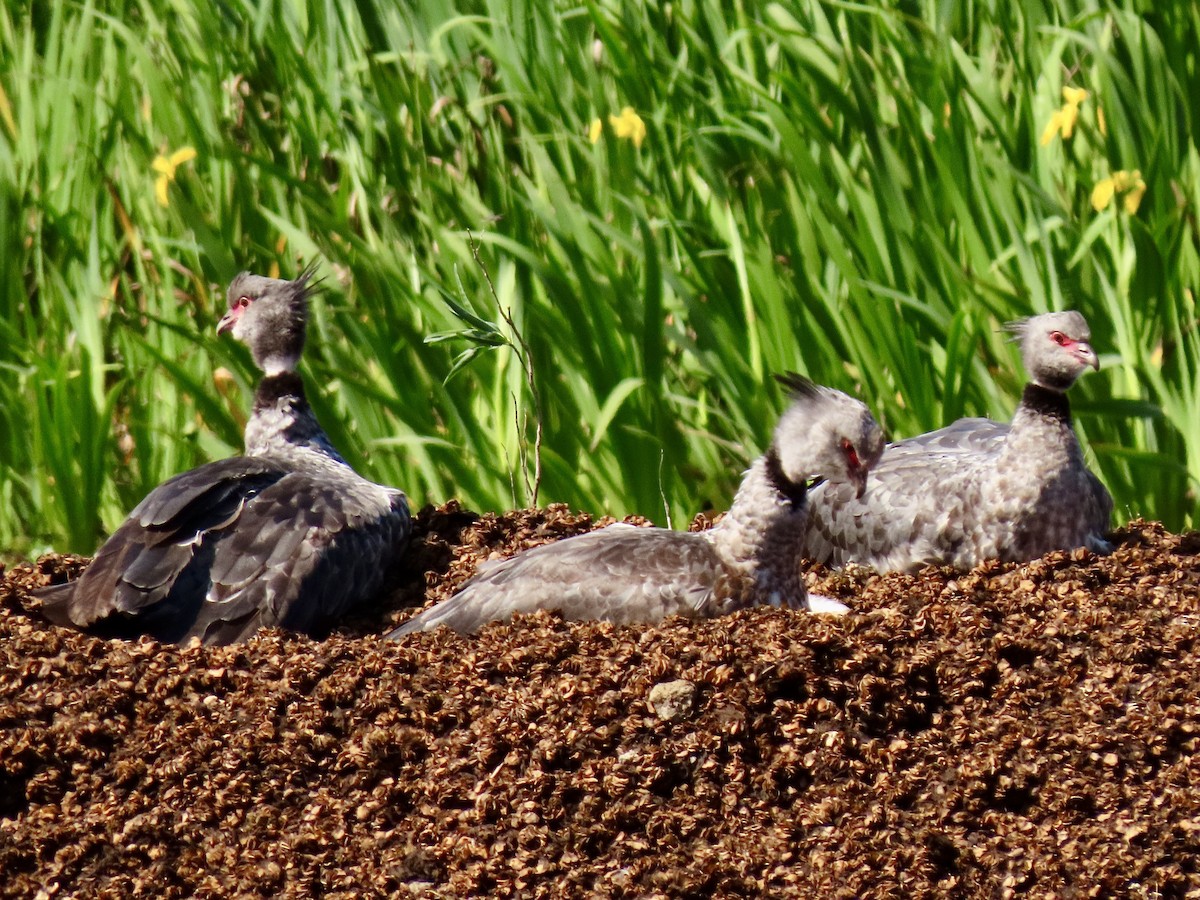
(242,302)
(851,454)
(1059,338)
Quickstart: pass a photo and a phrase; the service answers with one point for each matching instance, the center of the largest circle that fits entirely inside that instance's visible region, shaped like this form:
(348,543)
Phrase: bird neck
(763,531)
(1041,428)
(283,422)
(1045,403)
(793,492)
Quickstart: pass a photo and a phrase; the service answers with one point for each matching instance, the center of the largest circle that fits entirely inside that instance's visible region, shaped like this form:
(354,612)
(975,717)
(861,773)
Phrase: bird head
(825,433)
(1055,347)
(270,316)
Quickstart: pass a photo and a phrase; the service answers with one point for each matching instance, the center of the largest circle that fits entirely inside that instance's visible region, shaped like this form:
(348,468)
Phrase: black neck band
(1046,402)
(791,491)
(273,388)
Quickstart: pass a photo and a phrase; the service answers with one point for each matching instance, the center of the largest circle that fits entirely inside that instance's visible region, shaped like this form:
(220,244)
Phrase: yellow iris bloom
(165,166)
(1131,184)
(627,124)
(1063,120)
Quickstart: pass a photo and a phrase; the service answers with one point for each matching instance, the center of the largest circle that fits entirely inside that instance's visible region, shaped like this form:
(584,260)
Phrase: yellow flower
(629,125)
(1052,127)
(1134,198)
(165,166)
(1131,184)
(1074,96)
(1102,193)
(1063,120)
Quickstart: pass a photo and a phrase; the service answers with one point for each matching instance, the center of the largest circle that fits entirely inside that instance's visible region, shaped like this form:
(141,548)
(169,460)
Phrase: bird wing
(303,554)
(233,546)
(618,574)
(918,500)
(140,564)
(964,436)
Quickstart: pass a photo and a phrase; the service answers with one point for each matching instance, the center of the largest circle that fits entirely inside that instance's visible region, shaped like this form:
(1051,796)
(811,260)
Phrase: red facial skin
(1080,350)
(235,312)
(854,468)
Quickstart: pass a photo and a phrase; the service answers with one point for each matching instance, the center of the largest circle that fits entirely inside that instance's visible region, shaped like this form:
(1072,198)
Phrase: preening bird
(625,574)
(979,489)
(286,535)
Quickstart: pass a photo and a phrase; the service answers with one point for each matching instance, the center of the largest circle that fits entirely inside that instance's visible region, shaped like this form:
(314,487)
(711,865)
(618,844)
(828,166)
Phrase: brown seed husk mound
(1013,731)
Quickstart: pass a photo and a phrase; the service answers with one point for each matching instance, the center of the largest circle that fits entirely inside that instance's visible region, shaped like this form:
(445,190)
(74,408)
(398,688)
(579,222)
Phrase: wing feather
(141,563)
(303,554)
(962,494)
(233,546)
(618,574)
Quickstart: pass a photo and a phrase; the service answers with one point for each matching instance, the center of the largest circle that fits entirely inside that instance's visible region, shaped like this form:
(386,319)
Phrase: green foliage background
(855,191)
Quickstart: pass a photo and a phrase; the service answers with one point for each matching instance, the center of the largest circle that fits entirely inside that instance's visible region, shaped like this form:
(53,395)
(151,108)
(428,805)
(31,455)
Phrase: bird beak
(858,478)
(1086,355)
(227,321)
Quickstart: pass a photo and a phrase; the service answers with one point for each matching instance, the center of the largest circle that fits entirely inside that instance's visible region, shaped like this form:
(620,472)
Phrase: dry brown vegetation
(1012,731)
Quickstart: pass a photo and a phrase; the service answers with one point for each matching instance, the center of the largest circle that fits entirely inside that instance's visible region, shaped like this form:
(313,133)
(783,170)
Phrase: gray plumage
(625,574)
(979,489)
(286,535)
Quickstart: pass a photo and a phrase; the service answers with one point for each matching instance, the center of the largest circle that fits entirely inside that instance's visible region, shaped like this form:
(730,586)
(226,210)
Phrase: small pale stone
(673,701)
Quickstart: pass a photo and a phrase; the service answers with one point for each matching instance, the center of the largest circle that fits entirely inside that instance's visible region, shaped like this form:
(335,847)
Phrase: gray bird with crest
(625,574)
(287,534)
(979,489)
